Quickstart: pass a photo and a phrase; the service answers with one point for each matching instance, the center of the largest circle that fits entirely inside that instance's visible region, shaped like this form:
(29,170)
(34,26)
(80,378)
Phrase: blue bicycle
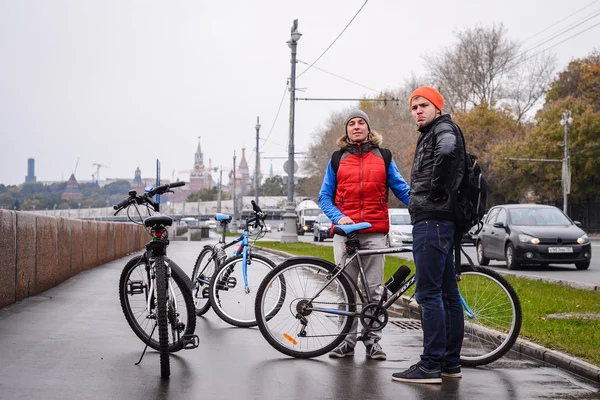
(228,285)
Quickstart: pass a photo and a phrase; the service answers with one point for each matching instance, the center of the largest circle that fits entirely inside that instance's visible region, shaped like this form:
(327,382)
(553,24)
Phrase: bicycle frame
(365,298)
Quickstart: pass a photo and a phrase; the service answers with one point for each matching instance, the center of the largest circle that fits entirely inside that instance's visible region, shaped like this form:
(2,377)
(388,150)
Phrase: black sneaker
(418,374)
(375,352)
(342,351)
(451,372)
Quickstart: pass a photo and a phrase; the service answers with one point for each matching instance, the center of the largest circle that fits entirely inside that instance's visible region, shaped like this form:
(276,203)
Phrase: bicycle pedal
(205,294)
(190,341)
(231,282)
(136,287)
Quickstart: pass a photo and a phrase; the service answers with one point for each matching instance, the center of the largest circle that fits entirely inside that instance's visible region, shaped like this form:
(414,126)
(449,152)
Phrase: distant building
(30,178)
(72,191)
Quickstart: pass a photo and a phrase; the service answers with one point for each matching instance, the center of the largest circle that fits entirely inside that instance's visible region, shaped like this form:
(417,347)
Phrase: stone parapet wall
(38,252)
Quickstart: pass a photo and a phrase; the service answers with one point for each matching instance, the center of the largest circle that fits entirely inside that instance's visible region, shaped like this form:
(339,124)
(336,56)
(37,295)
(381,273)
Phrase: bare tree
(486,67)
(528,82)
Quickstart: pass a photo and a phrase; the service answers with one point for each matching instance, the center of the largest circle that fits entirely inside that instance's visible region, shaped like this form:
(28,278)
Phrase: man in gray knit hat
(355,190)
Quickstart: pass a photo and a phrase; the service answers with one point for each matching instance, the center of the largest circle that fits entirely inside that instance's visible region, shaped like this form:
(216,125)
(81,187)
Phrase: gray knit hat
(356,114)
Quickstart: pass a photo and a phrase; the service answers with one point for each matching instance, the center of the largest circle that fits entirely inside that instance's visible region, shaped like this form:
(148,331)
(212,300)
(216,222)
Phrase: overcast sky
(123,83)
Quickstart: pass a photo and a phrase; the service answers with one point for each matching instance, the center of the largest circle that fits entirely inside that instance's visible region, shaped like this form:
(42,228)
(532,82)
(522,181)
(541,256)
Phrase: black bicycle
(153,290)
(320,304)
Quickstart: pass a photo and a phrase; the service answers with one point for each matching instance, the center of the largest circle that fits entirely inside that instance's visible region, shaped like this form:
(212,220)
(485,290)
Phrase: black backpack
(472,195)
(470,204)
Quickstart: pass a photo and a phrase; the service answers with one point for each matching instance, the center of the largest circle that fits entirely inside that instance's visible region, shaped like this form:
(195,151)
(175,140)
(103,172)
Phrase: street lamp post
(566,170)
(234,223)
(290,235)
(257,164)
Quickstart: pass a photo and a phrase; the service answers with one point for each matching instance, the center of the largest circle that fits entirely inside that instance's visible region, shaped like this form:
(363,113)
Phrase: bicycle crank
(374,317)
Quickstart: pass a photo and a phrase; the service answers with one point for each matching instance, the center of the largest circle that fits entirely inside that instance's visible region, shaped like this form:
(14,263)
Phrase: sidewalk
(523,347)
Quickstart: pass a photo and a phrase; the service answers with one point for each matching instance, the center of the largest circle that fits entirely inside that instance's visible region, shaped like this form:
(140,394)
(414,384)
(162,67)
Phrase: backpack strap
(335,160)
(336,157)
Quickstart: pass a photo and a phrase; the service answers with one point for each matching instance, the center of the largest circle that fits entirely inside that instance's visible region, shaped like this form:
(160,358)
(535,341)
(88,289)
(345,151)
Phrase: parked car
(470,237)
(211,224)
(280,227)
(532,234)
(322,228)
(400,228)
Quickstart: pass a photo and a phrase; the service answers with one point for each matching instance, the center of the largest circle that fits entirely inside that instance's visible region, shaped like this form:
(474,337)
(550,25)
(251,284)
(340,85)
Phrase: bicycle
(216,277)
(320,304)
(153,290)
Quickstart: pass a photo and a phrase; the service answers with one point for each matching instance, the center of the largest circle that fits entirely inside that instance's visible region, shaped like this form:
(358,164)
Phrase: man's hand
(345,221)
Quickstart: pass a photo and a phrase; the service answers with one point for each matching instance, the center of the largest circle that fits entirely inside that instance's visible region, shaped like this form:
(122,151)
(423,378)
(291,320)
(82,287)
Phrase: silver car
(400,228)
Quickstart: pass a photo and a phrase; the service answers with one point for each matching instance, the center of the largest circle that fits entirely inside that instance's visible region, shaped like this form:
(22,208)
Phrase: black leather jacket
(437,171)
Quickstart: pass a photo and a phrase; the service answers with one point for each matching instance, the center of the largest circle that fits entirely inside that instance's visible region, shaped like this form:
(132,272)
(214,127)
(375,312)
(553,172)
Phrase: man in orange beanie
(437,173)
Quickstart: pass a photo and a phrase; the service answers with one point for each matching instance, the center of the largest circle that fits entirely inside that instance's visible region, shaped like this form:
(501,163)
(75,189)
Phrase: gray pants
(373,267)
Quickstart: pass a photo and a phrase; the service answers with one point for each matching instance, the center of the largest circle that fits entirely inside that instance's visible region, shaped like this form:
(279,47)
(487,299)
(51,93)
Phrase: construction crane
(97,174)
(76,164)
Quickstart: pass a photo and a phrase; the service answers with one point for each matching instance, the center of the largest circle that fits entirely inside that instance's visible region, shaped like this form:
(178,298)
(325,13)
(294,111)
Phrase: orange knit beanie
(430,94)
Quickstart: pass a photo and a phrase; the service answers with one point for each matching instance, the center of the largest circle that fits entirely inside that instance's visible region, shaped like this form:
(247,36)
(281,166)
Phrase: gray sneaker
(342,351)
(375,352)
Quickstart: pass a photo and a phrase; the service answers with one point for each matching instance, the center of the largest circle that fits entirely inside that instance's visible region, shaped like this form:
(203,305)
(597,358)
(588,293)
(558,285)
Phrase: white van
(400,228)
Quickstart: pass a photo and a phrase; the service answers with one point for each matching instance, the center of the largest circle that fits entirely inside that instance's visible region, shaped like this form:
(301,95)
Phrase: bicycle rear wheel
(134,293)
(495,320)
(161,316)
(204,269)
(297,329)
(229,297)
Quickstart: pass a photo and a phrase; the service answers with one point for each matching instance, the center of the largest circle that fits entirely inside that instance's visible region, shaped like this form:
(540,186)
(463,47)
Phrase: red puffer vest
(361,190)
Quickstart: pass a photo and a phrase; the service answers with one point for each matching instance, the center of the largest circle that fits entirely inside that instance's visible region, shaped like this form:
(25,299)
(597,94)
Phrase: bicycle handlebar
(146,197)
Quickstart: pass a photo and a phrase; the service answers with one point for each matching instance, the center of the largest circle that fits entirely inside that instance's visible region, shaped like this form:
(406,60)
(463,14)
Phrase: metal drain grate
(408,324)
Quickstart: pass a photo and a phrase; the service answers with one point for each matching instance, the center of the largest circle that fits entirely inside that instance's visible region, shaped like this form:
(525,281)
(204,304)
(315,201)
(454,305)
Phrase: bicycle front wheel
(135,295)
(492,315)
(204,269)
(230,298)
(307,324)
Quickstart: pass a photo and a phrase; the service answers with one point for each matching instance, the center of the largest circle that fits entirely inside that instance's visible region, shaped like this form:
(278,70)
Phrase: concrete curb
(522,346)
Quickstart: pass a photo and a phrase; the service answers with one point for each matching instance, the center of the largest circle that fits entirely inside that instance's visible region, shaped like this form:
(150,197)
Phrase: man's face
(423,111)
(357,130)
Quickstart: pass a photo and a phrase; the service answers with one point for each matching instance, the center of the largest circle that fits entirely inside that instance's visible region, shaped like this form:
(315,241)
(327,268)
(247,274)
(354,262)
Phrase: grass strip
(578,337)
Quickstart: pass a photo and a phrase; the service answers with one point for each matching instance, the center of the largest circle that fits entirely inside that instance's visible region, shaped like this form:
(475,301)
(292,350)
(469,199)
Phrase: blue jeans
(442,316)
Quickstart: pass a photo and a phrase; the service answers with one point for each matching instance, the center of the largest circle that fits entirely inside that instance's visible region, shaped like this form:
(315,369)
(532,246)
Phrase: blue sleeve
(326,195)
(397,183)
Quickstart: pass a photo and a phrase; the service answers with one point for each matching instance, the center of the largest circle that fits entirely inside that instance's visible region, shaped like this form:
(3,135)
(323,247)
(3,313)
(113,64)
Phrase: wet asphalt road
(72,342)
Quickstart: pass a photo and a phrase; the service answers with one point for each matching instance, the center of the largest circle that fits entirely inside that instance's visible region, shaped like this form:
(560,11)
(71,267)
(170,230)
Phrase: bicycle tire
(204,268)
(497,319)
(303,278)
(161,315)
(134,304)
(230,301)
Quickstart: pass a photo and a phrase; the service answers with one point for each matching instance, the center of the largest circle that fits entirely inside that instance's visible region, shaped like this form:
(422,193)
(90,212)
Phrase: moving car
(267,228)
(400,228)
(532,234)
(280,227)
(322,228)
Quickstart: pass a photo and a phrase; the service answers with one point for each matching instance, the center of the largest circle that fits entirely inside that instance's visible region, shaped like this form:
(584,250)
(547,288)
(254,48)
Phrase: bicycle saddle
(223,217)
(158,220)
(344,230)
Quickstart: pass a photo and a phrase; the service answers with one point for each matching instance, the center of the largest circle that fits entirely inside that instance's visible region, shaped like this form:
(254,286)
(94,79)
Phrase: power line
(341,77)
(558,22)
(561,42)
(278,110)
(338,36)
(567,29)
